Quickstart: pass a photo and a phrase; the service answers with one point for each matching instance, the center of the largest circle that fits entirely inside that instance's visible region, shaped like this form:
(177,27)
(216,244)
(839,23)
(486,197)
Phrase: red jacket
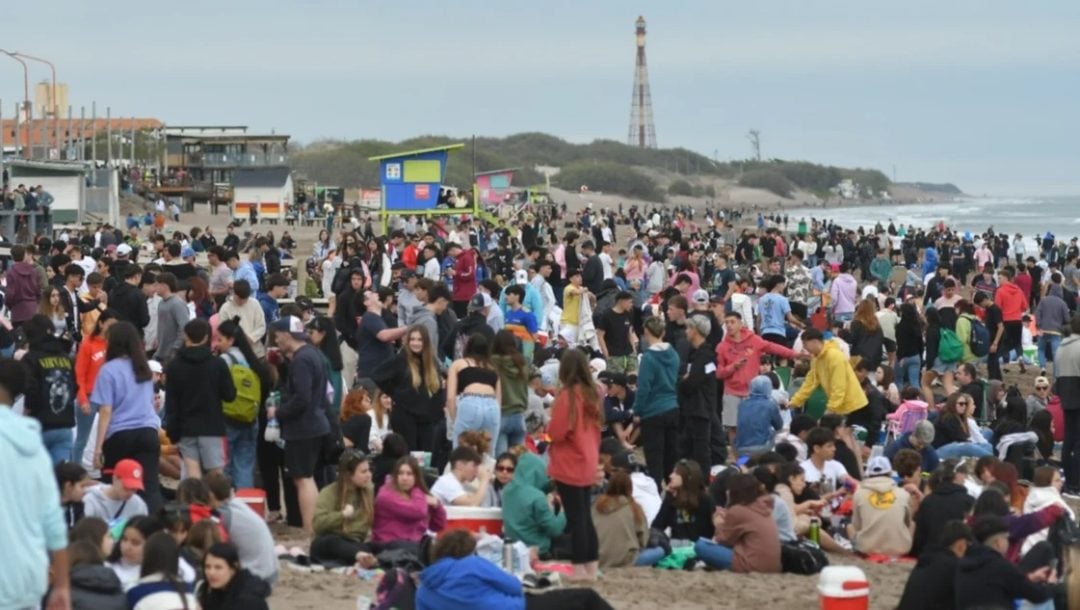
(409,255)
(575,445)
(1023,282)
(751,347)
(465,275)
(1012,301)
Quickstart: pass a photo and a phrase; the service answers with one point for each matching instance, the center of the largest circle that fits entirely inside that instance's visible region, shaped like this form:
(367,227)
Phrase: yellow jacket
(833,372)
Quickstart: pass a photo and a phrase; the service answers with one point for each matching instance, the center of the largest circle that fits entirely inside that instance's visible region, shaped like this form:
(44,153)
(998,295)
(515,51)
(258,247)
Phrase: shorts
(301,457)
(942,368)
(730,406)
(626,365)
(208,451)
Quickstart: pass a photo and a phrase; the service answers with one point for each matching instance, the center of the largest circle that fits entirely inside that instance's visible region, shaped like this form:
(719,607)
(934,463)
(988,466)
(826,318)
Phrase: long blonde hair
(422,369)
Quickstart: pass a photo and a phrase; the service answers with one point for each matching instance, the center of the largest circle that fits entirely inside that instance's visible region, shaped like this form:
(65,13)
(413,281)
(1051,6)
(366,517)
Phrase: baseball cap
(879,465)
(123,249)
(187,252)
(290,324)
(130,474)
(521,276)
(626,460)
(701,296)
(479,301)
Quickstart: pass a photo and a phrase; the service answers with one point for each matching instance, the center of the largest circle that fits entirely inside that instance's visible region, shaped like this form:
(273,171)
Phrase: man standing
(128,301)
(374,339)
(302,413)
(831,371)
(242,269)
(844,292)
(24,287)
(173,314)
(1014,304)
(252,318)
(592,274)
(32,524)
(464,274)
(616,337)
(196,385)
(277,287)
(50,391)
(220,275)
(697,394)
(1067,362)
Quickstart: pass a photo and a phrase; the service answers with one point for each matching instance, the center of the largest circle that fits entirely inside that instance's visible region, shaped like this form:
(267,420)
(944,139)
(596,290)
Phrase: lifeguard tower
(411,182)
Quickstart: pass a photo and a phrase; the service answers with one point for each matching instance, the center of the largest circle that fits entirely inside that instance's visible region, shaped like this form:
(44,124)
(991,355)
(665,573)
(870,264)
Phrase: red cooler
(843,588)
(474,518)
(254,498)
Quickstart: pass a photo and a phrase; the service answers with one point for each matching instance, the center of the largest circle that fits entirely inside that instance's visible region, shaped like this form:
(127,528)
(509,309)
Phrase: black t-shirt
(616,327)
(371,352)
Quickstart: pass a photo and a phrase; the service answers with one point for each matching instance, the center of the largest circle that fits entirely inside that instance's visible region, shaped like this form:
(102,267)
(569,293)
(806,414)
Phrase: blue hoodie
(469,583)
(930,261)
(759,417)
(657,378)
(31,518)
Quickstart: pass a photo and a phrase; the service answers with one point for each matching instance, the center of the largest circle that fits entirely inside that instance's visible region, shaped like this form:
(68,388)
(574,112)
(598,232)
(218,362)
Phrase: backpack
(979,341)
(397,590)
(245,407)
(950,349)
(802,558)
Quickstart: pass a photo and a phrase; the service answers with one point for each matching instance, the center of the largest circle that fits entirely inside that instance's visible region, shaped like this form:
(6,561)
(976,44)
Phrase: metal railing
(250,159)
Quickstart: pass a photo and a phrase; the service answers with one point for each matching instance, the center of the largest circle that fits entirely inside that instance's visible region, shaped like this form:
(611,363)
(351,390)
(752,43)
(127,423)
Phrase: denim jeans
(954,450)
(83,423)
(649,557)
(713,554)
(240,462)
(1048,345)
(511,432)
(907,371)
(477,412)
(58,442)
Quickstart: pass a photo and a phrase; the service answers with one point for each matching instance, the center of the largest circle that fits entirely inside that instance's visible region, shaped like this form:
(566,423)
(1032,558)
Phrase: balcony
(249,159)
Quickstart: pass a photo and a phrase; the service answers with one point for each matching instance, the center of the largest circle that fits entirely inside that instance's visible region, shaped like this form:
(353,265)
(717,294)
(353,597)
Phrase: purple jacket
(22,292)
(844,293)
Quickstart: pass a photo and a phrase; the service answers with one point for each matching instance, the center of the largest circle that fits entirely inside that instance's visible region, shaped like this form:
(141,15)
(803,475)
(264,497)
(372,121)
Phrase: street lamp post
(55,108)
(26,99)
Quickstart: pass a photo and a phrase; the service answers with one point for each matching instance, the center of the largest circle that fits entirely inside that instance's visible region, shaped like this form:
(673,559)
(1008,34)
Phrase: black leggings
(419,436)
(335,549)
(143,446)
(583,542)
(567,599)
(659,437)
(271,462)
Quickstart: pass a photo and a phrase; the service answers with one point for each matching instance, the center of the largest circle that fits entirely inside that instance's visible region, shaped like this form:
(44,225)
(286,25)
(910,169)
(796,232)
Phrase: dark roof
(260,176)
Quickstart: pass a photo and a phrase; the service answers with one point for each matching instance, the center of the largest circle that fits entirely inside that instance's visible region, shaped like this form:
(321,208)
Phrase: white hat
(701,296)
(123,250)
(878,465)
(155,367)
(521,276)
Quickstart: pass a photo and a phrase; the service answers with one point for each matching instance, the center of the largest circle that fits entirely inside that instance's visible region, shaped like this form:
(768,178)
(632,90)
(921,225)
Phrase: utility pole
(755,141)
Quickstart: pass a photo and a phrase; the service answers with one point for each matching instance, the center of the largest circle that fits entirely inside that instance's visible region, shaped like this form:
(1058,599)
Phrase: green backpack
(950,349)
(245,407)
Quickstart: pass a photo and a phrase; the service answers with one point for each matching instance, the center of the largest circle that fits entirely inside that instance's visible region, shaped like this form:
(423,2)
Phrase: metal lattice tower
(642,129)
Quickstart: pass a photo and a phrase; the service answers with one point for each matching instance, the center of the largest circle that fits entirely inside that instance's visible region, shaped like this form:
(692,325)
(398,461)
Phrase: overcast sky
(981,93)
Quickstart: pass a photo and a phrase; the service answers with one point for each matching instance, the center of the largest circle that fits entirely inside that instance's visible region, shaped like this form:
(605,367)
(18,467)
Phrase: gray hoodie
(172,315)
(420,314)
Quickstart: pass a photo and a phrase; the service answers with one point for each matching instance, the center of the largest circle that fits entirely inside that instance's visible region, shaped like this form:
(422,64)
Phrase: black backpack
(802,558)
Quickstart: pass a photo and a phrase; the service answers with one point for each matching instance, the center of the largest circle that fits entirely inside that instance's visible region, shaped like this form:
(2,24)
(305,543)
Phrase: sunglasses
(504,469)
(962,403)
(1042,387)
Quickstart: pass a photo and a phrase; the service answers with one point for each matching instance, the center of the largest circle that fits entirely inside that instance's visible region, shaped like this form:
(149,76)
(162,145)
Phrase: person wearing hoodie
(94,586)
(932,584)
(530,514)
(621,525)
(986,579)
(196,384)
(759,419)
(1014,304)
(948,501)
(656,403)
(747,539)
(1045,491)
(172,314)
(1051,317)
(1067,388)
(31,516)
(465,280)
(227,585)
(128,300)
(697,393)
(831,371)
(881,519)
(23,288)
(845,293)
(50,395)
(738,361)
(458,579)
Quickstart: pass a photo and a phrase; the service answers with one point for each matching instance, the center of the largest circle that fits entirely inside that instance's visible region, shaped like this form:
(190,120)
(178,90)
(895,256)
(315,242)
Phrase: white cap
(521,276)
(878,465)
(123,250)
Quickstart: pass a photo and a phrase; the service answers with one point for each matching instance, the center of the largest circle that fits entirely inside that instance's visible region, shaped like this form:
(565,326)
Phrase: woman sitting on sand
(791,484)
(344,513)
(404,510)
(686,508)
(746,537)
(621,527)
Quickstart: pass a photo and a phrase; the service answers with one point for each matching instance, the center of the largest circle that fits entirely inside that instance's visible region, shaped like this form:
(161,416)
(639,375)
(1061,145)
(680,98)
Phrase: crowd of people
(634,387)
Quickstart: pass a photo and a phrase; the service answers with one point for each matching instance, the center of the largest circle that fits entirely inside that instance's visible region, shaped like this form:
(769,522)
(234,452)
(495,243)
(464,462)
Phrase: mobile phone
(742,461)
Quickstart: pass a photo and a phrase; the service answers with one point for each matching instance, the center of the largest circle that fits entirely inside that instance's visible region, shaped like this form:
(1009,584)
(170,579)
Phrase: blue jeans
(649,557)
(240,465)
(907,371)
(713,554)
(511,432)
(954,450)
(477,412)
(1048,345)
(83,424)
(847,316)
(58,442)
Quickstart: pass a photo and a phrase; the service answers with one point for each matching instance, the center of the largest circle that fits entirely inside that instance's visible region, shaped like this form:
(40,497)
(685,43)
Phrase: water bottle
(273,433)
(508,555)
(814,534)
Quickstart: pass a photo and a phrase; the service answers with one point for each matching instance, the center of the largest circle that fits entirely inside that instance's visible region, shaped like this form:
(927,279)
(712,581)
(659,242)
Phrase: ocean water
(1030,217)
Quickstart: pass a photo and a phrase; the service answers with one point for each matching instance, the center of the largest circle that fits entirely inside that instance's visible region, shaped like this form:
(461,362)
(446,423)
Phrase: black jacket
(949,501)
(304,404)
(985,579)
(393,378)
(867,344)
(686,526)
(244,592)
(592,274)
(909,340)
(932,584)
(466,327)
(346,313)
(130,305)
(50,393)
(96,588)
(196,383)
(697,389)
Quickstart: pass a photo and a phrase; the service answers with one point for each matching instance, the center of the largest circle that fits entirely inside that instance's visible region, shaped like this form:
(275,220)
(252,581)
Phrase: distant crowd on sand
(636,387)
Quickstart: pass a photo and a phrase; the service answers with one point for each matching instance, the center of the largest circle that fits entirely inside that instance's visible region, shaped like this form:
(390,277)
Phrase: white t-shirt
(432,269)
(607,264)
(447,489)
(833,469)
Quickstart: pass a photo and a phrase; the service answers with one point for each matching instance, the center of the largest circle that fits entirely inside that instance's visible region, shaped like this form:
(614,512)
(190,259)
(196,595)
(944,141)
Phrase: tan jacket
(621,536)
(881,517)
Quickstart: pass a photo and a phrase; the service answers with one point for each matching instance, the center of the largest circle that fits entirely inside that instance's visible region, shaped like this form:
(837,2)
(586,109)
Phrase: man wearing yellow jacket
(832,371)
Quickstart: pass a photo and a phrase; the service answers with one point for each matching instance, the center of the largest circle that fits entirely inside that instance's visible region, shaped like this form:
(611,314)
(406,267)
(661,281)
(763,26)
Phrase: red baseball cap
(130,474)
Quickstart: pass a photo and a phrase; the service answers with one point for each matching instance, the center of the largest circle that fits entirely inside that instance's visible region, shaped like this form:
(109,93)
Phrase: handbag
(802,558)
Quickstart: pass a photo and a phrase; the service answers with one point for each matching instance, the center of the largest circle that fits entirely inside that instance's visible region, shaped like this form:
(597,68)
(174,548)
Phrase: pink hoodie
(844,293)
